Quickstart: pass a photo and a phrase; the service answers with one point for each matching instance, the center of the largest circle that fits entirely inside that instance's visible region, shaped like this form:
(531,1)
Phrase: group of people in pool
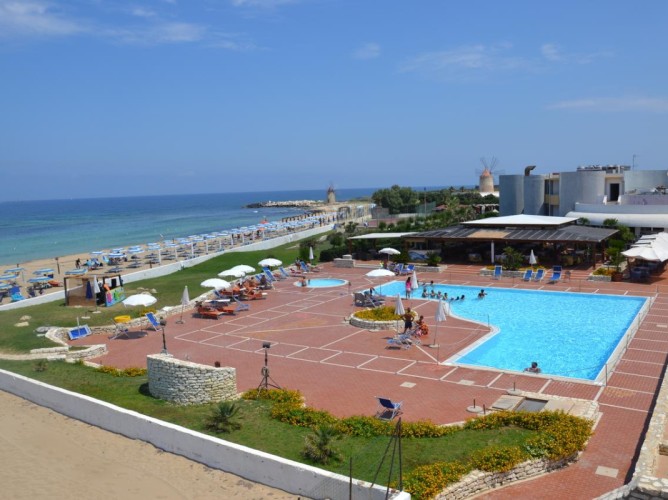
(432,294)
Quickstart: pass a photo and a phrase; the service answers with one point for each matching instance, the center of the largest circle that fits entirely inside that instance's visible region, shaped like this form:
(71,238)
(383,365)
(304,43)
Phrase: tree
(319,445)
(223,417)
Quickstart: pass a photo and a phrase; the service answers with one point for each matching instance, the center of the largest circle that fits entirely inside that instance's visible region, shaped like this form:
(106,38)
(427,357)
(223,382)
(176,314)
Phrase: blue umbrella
(39,279)
(44,270)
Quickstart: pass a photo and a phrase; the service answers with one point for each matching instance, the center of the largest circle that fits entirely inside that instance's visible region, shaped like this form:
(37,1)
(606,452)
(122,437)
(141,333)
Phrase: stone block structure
(187,383)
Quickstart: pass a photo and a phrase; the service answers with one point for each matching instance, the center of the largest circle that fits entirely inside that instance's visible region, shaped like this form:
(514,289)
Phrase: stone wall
(186,383)
(476,482)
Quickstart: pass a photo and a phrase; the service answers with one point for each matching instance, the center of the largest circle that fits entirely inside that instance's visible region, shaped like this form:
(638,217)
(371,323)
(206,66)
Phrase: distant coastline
(285,204)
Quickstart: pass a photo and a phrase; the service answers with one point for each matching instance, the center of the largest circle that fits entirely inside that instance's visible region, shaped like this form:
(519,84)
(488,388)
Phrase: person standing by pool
(408,320)
(409,288)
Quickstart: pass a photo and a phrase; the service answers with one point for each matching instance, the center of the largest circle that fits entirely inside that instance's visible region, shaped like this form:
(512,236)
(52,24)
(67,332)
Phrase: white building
(636,198)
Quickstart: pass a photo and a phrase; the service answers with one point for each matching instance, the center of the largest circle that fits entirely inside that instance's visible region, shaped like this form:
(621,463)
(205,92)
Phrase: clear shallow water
(568,334)
(31,230)
(323,282)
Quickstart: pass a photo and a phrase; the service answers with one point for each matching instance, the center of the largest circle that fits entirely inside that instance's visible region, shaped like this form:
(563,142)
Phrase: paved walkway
(342,368)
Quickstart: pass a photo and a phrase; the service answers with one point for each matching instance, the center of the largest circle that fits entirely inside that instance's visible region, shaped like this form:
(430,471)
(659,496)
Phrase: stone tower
(331,195)
(486,181)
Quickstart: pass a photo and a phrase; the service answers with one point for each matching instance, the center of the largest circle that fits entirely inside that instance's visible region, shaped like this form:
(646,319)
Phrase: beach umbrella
(389,251)
(441,314)
(246,269)
(44,270)
(310,253)
(236,273)
(39,279)
(532,258)
(185,300)
(215,283)
(270,262)
(399,306)
(414,281)
(379,273)
(140,299)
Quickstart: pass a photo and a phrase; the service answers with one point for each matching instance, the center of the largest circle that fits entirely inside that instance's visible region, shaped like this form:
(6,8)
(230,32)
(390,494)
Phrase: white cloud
(553,53)
(34,18)
(465,62)
(142,12)
(266,4)
(367,51)
(160,33)
(615,104)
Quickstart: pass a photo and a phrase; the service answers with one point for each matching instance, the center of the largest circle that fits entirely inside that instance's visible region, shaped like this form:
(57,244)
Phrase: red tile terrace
(342,368)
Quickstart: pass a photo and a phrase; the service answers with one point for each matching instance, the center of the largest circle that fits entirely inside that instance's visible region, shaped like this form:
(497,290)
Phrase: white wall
(293,477)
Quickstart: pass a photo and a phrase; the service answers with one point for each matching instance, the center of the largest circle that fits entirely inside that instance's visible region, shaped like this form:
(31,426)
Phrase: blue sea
(31,230)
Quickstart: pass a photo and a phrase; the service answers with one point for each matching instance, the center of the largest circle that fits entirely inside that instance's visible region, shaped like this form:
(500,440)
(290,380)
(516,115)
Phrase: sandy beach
(48,455)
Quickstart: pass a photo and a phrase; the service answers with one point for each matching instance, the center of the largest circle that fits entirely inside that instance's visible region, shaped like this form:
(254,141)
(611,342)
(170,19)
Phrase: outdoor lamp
(163,323)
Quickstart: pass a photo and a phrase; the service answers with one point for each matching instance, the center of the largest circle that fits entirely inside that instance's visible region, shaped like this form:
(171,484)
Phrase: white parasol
(389,251)
(236,273)
(140,299)
(215,283)
(246,269)
(270,262)
(185,300)
(379,273)
(442,312)
(414,281)
(532,258)
(310,253)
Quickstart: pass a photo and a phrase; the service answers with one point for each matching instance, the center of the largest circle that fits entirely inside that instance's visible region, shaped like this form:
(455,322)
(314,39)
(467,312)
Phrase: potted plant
(616,259)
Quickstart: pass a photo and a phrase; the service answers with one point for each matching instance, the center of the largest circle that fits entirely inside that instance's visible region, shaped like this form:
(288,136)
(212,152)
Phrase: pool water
(322,282)
(568,334)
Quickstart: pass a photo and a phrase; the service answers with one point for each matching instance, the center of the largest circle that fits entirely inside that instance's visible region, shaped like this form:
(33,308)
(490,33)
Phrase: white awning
(378,236)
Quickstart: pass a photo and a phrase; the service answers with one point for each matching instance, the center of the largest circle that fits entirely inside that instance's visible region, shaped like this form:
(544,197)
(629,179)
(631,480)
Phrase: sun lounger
(527,275)
(555,277)
(540,274)
(79,332)
(387,408)
(367,300)
(498,271)
(407,269)
(154,323)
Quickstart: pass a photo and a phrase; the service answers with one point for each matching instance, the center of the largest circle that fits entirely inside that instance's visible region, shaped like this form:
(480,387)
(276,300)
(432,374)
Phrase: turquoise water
(323,282)
(568,334)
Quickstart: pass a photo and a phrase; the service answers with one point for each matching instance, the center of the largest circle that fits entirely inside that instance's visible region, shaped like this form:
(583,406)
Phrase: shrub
(497,459)
(427,481)
(319,445)
(433,259)
(126,372)
(223,417)
(382,313)
(329,254)
(41,366)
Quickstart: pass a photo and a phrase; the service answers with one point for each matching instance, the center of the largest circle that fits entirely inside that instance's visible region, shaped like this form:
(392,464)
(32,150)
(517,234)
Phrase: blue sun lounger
(79,332)
(498,271)
(388,409)
(540,274)
(555,277)
(527,275)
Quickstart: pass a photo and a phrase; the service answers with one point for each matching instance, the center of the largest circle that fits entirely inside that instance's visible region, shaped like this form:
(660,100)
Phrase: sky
(123,98)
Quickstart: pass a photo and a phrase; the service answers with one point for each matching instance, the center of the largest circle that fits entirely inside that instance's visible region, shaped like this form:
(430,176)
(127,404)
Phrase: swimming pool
(568,334)
(322,282)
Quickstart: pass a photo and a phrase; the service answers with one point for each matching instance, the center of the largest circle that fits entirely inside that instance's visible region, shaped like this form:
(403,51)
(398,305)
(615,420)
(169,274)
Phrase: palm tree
(222,419)
(319,445)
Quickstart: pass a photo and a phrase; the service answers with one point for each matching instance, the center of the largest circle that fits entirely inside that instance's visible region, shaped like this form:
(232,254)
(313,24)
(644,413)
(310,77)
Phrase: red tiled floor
(341,368)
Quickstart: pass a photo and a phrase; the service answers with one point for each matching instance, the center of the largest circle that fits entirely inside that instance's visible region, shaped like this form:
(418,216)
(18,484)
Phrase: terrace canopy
(519,229)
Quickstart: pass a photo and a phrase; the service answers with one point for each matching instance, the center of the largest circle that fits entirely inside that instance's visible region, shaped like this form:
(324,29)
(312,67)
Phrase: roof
(631,220)
(568,233)
(378,236)
(522,220)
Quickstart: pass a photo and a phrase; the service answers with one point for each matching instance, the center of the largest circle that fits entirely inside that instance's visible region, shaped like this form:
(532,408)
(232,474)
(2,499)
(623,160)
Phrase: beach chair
(270,277)
(388,409)
(367,300)
(400,341)
(240,306)
(408,269)
(303,266)
(398,268)
(79,332)
(555,277)
(527,275)
(498,271)
(154,323)
(16,296)
(540,274)
(283,272)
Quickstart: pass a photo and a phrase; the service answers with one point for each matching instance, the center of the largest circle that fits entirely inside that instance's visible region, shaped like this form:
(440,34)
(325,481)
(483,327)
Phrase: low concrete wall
(187,383)
(293,477)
